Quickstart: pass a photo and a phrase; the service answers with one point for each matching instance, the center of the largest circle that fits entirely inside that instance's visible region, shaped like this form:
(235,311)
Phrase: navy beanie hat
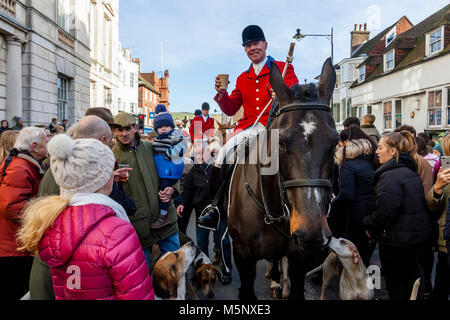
(162,118)
(198,112)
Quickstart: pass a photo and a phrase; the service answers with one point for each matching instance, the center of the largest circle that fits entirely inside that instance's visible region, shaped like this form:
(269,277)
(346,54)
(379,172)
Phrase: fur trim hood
(353,149)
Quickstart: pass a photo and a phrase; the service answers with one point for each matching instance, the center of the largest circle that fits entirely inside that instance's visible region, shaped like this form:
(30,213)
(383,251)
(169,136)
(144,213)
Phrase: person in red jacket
(20,176)
(84,236)
(251,93)
(202,126)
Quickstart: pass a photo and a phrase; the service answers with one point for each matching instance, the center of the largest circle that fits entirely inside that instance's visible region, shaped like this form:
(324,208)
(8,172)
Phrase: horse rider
(253,93)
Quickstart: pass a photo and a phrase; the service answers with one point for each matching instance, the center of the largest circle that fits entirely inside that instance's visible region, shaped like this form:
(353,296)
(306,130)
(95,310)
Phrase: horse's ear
(327,81)
(278,85)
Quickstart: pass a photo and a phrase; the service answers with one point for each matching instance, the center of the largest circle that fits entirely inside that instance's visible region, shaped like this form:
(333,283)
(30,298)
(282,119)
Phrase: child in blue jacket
(168,148)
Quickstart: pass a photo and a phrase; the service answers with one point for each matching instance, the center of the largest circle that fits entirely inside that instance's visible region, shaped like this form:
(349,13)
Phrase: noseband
(270,217)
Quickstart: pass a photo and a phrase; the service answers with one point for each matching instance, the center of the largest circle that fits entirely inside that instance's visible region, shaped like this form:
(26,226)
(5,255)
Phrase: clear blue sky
(202,38)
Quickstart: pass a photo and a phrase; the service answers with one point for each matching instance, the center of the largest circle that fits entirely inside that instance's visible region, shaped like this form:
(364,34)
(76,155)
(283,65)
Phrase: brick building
(152,91)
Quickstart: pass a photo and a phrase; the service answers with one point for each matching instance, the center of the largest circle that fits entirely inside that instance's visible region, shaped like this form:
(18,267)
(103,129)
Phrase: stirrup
(207,209)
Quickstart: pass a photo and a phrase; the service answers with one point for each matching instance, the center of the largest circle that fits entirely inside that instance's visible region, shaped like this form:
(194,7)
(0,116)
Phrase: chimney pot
(355,26)
(365,26)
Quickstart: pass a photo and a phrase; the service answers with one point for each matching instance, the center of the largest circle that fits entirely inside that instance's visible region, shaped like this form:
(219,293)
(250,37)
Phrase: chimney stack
(358,37)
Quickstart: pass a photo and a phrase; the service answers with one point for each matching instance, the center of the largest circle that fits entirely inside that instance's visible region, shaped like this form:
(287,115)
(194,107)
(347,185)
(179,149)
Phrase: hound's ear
(327,81)
(356,257)
(172,284)
(278,85)
(198,279)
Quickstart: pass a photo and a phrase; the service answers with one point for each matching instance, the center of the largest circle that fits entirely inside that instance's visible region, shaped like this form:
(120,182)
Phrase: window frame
(63,14)
(386,69)
(362,74)
(393,32)
(434,110)
(430,44)
(397,113)
(63,98)
(387,116)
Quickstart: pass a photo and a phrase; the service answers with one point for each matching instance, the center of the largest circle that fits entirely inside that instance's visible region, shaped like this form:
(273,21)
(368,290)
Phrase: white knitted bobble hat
(79,166)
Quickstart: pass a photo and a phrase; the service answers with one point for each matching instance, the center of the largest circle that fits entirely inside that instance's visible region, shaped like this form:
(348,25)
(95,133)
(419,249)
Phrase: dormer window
(390,37)
(434,41)
(389,61)
(362,74)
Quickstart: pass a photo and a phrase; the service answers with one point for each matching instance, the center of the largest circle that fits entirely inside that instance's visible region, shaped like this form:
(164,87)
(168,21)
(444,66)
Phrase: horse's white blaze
(317,194)
(309,127)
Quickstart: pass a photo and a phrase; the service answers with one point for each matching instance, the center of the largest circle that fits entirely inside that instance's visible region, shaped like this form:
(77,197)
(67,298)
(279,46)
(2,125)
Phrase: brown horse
(300,189)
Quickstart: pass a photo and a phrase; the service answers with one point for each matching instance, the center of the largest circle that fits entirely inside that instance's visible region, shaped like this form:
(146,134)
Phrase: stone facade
(44,44)
(105,54)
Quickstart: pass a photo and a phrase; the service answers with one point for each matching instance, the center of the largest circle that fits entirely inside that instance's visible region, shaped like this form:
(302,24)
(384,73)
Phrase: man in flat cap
(253,95)
(142,187)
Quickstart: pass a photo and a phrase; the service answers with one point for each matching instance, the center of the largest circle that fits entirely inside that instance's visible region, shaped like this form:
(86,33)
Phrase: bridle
(270,217)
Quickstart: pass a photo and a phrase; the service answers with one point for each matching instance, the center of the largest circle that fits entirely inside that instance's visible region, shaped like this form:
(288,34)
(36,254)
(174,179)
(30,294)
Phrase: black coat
(3,130)
(196,188)
(400,216)
(356,189)
(120,197)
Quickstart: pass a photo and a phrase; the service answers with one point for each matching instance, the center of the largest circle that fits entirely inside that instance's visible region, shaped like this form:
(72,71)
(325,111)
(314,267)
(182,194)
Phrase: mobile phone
(445,163)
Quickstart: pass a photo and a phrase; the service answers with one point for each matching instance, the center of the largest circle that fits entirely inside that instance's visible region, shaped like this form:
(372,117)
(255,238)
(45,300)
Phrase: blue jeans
(203,243)
(171,243)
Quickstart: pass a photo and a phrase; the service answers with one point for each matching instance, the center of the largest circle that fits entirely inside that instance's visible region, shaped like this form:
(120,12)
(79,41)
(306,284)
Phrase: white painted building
(44,60)
(128,72)
(408,81)
(346,75)
(104,31)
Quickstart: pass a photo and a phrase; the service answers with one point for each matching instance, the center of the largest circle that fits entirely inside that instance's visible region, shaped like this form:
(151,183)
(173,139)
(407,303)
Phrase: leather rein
(270,217)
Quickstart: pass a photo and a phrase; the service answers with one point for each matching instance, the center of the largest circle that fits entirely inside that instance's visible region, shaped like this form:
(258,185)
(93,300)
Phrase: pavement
(262,285)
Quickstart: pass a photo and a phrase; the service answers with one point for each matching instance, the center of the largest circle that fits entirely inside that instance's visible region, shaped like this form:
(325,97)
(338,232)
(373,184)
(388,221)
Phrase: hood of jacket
(62,239)
(360,148)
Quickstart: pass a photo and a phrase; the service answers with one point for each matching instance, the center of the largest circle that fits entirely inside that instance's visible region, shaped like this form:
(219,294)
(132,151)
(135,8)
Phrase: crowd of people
(115,190)
(82,208)
(392,191)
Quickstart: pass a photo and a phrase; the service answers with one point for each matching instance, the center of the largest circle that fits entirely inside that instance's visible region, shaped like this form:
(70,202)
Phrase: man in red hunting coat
(202,125)
(253,95)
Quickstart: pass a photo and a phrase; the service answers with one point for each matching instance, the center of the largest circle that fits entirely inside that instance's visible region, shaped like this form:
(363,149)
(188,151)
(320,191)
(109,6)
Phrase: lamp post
(299,36)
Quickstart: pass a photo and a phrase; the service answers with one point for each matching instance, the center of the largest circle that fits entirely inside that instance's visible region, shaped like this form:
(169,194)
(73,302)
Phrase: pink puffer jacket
(92,255)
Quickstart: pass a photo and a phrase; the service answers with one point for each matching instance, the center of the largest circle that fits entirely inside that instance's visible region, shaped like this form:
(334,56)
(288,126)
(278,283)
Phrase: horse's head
(307,140)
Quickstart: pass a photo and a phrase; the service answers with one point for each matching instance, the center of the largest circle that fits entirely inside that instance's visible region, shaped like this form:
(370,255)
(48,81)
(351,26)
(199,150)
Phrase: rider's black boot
(209,219)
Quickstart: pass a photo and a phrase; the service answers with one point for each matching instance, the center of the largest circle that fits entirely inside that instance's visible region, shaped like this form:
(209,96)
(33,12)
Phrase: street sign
(151,115)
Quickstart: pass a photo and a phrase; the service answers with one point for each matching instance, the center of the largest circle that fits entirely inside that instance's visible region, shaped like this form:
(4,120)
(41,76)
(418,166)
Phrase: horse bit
(271,217)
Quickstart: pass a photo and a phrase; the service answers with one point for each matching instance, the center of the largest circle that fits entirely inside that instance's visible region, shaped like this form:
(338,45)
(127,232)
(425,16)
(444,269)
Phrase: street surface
(262,285)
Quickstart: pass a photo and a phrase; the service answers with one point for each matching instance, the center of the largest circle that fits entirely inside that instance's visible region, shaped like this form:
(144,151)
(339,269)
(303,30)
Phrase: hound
(354,279)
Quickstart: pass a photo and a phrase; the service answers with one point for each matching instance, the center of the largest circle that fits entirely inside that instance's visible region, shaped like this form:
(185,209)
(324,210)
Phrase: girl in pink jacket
(83,235)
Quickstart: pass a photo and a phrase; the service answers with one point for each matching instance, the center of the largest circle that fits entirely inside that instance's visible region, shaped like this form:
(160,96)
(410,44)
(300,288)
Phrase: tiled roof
(412,40)
(144,83)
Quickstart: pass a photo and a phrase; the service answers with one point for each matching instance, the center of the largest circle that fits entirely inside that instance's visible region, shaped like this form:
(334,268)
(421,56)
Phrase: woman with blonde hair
(7,141)
(400,221)
(83,235)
